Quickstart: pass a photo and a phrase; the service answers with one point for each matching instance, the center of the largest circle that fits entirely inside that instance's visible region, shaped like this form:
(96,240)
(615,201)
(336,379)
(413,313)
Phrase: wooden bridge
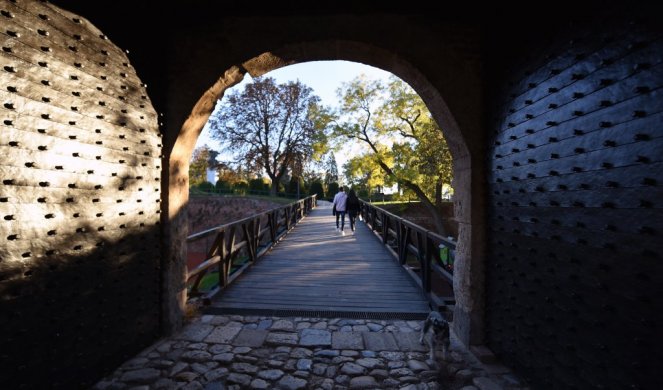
(316,271)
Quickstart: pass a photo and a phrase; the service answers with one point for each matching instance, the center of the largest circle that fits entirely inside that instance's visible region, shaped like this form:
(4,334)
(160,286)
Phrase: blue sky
(324,77)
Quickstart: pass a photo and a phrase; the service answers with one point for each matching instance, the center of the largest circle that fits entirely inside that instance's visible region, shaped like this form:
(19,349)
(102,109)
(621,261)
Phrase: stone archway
(468,198)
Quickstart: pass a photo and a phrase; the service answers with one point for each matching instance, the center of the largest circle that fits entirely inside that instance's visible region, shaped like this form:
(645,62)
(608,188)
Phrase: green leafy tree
(317,188)
(241,187)
(223,186)
(258,186)
(332,189)
(364,172)
(295,186)
(270,126)
(331,169)
(206,187)
(418,158)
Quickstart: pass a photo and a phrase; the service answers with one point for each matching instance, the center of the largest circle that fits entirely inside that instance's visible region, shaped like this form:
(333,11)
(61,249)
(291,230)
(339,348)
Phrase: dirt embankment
(415,212)
(209,211)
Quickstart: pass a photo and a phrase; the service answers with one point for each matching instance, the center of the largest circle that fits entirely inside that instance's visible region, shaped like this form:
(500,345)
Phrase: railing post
(287,218)
(385,228)
(256,237)
(229,253)
(421,257)
(272,220)
(428,268)
(374,217)
(226,256)
(403,243)
(399,238)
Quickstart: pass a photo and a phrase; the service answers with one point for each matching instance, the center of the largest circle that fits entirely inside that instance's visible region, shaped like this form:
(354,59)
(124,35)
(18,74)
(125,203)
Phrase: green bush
(332,189)
(206,187)
(223,186)
(240,188)
(258,186)
(292,187)
(316,188)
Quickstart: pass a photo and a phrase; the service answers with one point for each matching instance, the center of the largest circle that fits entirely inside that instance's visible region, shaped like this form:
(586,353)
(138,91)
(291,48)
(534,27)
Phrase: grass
(211,279)
(394,202)
(273,199)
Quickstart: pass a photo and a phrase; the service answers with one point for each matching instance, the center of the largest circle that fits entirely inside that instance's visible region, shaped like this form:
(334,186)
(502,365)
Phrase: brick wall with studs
(80,163)
(576,230)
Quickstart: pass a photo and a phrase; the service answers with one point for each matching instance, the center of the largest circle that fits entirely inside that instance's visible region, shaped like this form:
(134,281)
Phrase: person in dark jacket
(352,206)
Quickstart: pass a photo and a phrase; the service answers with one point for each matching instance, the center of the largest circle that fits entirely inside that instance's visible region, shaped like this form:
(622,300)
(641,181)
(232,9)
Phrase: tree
(272,127)
(331,169)
(212,163)
(295,186)
(418,159)
(332,189)
(364,173)
(316,188)
(198,165)
(258,186)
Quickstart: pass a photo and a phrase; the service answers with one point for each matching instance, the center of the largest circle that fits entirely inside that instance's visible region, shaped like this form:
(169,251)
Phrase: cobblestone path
(217,352)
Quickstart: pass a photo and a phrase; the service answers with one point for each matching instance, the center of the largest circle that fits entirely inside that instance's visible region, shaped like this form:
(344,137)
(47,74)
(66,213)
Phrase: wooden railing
(418,251)
(232,248)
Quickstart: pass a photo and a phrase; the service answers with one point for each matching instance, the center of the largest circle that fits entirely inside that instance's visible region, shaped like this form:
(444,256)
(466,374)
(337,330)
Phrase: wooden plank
(313,306)
(315,268)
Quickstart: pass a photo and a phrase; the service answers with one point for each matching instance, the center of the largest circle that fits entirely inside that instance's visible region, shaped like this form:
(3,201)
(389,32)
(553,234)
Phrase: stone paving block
(281,338)
(317,337)
(347,340)
(291,383)
(484,383)
(195,332)
(379,341)
(223,334)
(144,375)
(410,342)
(363,382)
(250,338)
(283,325)
(264,324)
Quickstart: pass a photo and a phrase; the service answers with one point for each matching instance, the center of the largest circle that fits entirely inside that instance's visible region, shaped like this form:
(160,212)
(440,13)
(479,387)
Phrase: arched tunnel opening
(556,148)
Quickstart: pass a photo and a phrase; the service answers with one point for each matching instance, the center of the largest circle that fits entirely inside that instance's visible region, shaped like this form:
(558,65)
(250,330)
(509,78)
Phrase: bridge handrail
(247,235)
(403,238)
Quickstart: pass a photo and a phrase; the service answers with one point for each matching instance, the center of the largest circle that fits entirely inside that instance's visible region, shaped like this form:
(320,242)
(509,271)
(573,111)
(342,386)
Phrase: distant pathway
(315,268)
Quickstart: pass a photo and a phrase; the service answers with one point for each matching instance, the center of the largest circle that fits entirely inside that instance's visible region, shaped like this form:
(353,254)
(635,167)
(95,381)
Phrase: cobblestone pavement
(219,352)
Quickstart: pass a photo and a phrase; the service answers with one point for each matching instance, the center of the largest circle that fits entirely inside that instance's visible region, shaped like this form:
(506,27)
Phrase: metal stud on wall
(575,225)
(80,198)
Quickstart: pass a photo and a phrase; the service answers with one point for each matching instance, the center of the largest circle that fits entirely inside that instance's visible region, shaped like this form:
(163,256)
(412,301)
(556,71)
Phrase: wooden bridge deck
(314,268)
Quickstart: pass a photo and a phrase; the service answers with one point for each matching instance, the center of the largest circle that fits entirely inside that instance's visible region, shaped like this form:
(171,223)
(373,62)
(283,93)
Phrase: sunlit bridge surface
(316,269)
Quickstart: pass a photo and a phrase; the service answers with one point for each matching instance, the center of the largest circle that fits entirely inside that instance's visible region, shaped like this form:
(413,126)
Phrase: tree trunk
(274,189)
(435,212)
(438,193)
(438,220)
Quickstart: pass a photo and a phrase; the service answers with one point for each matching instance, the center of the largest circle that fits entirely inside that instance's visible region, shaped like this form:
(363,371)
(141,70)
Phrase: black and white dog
(437,329)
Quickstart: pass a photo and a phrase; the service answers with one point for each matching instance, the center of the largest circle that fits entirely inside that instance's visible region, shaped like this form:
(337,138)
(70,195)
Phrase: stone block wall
(80,165)
(574,261)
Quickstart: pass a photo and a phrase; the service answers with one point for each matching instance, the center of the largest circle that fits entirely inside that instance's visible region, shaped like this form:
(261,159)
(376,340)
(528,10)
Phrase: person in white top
(340,200)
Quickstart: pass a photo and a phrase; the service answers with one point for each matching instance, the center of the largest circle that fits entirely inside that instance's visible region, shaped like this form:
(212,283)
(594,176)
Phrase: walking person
(339,205)
(352,206)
